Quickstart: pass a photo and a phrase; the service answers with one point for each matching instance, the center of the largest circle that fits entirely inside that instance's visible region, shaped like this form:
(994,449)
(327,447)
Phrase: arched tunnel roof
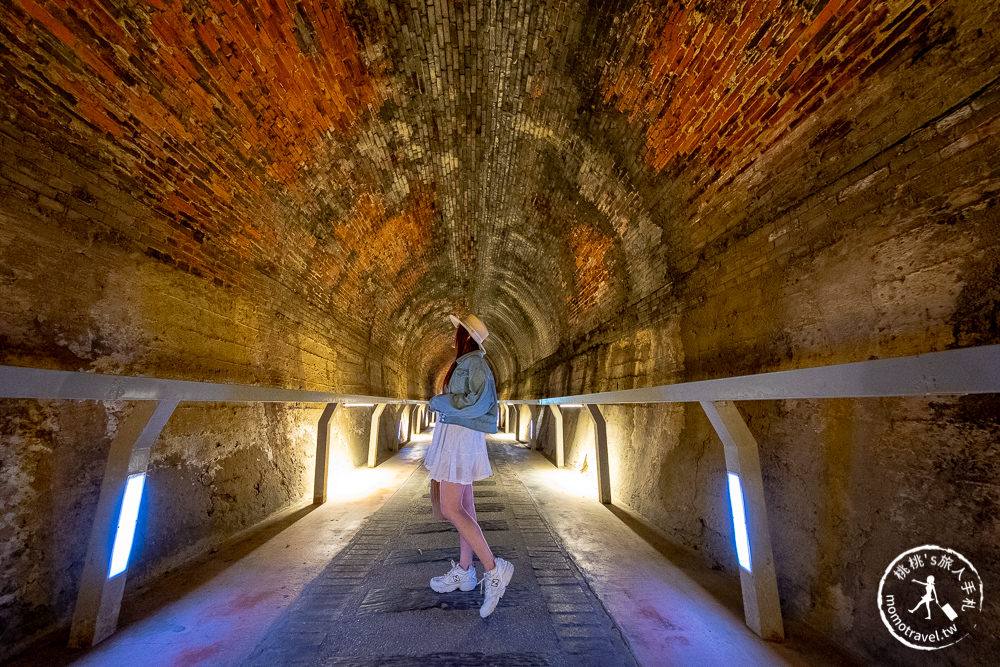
(547,166)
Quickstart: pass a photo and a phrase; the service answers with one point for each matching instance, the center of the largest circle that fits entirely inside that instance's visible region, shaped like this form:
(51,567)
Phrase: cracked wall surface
(628,193)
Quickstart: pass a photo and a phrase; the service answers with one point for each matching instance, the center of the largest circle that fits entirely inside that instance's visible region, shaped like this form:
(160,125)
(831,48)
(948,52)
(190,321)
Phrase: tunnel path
(372,605)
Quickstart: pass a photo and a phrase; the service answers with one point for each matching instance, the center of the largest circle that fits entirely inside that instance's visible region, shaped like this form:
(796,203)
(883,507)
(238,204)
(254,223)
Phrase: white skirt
(457,454)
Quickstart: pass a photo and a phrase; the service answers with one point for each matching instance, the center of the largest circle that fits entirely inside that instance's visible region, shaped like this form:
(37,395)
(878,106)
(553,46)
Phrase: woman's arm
(476,400)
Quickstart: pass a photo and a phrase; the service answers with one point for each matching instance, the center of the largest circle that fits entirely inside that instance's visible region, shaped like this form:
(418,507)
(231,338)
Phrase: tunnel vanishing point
(740,264)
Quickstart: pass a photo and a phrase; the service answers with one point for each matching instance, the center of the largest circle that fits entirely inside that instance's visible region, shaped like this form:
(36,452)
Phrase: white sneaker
(495,582)
(457,578)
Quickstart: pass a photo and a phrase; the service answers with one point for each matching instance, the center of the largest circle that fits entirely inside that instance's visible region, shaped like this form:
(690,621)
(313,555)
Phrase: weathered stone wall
(349,429)
(50,477)
(849,483)
(389,430)
(578,438)
(216,470)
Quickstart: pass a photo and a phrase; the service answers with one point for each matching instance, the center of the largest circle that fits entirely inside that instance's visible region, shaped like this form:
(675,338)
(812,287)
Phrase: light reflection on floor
(572,482)
(417,447)
(357,483)
(346,483)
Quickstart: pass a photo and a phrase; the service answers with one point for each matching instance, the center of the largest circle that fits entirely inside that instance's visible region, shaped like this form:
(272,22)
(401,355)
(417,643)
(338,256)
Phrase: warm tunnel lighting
(739,521)
(345,483)
(579,483)
(126,524)
(570,405)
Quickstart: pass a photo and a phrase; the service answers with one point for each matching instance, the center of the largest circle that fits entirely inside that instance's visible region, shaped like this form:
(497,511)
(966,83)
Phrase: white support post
(523,419)
(398,439)
(533,425)
(408,411)
(539,419)
(397,431)
(601,453)
(322,454)
(374,433)
(557,419)
(99,598)
(761,605)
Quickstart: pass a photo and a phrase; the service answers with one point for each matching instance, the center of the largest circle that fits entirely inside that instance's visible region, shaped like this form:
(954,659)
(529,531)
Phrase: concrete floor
(235,608)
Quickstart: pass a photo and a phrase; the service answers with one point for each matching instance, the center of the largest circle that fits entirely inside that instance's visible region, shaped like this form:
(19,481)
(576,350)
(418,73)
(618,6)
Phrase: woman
(456,458)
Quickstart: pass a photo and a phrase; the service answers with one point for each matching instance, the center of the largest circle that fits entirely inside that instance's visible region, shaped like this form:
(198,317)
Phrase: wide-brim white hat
(473,325)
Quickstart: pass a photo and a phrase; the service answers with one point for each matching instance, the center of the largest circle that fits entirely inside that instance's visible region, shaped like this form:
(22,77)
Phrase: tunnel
(739,263)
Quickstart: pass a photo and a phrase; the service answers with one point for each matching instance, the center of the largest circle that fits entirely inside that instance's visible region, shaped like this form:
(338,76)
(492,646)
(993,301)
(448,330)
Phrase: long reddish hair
(464,343)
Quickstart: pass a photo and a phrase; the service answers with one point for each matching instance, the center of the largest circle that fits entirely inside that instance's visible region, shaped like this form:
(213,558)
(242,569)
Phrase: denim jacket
(470,399)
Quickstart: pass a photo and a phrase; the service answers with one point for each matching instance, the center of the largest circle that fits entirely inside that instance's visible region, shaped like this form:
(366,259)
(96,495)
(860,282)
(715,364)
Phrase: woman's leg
(469,505)
(468,528)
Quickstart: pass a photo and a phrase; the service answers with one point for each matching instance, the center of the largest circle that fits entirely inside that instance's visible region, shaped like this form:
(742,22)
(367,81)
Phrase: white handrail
(22,382)
(972,370)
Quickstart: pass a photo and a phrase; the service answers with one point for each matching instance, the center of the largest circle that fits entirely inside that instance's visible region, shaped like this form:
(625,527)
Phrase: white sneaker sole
(449,588)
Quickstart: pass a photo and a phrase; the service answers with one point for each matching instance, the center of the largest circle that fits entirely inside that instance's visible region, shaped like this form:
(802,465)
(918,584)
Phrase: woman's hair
(464,343)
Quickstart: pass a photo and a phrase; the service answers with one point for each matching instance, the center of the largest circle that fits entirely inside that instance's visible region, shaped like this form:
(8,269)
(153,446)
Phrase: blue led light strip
(739,521)
(126,524)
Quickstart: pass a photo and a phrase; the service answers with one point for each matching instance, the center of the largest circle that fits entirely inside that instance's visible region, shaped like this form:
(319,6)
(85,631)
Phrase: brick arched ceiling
(544,164)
